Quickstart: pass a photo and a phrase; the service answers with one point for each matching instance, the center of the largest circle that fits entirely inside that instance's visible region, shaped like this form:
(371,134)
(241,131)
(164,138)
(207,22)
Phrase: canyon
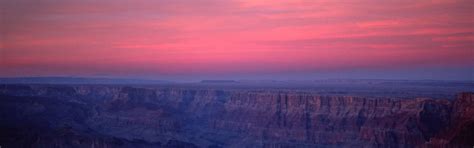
(35,115)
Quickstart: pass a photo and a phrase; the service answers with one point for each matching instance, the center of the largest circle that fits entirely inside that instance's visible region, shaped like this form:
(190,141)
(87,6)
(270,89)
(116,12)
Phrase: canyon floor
(323,113)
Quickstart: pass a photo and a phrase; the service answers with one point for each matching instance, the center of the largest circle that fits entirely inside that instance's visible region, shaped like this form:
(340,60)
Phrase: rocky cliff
(122,116)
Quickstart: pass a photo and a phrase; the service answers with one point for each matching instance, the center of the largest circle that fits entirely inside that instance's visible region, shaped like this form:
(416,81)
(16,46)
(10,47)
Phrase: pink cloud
(211,36)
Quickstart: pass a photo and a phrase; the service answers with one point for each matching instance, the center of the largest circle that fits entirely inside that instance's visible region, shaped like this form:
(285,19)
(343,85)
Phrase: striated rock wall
(174,116)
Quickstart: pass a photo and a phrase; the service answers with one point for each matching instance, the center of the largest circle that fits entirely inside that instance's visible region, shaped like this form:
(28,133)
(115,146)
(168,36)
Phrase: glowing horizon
(284,39)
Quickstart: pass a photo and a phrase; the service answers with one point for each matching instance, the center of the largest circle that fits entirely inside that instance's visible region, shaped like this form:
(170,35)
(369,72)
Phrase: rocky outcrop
(460,132)
(122,116)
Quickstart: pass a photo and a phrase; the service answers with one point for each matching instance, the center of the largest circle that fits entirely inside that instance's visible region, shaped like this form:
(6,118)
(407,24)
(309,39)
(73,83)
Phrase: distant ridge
(76,80)
(218,81)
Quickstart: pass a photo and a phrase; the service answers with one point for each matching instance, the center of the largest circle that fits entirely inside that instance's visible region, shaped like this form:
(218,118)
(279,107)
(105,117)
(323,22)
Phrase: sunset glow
(238,39)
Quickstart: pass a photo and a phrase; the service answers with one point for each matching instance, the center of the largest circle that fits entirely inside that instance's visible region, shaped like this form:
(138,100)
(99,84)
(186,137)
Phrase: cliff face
(121,116)
(461,130)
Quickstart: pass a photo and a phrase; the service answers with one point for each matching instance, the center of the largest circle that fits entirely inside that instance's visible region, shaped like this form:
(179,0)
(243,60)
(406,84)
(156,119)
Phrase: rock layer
(121,116)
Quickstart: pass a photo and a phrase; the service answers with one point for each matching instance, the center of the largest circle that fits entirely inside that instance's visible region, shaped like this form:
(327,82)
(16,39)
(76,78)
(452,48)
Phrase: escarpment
(122,116)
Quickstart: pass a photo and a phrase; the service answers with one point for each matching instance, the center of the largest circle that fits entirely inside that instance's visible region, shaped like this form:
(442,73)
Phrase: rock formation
(125,116)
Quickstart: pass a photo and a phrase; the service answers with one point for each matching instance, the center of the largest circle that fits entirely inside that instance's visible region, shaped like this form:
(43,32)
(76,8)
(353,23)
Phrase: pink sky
(166,38)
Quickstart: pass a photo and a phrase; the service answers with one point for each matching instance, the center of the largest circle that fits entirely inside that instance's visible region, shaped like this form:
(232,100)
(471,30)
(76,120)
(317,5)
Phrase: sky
(238,39)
